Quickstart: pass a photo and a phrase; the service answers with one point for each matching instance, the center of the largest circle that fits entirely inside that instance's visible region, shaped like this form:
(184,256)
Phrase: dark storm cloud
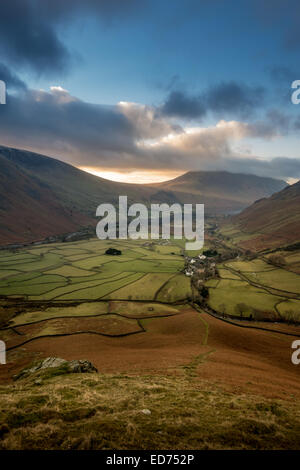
(11,80)
(56,122)
(179,104)
(28,38)
(29,30)
(232,97)
(223,99)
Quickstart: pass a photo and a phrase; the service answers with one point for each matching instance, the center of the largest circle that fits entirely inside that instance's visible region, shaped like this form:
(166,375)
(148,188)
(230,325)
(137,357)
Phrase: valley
(140,320)
(203,336)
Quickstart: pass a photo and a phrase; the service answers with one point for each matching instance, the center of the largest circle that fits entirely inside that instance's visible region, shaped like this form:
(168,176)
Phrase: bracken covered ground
(208,385)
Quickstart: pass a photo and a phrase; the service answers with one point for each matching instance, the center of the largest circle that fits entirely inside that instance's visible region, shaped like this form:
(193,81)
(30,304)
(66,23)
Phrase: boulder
(62,366)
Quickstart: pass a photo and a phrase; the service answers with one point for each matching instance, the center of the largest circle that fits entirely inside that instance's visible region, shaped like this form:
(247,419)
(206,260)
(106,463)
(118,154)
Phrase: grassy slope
(269,223)
(94,411)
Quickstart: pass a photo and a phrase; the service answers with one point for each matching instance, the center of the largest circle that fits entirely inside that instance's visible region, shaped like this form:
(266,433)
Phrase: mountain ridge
(61,198)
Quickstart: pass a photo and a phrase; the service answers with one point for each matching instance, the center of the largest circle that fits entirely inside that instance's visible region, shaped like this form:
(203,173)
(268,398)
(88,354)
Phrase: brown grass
(94,411)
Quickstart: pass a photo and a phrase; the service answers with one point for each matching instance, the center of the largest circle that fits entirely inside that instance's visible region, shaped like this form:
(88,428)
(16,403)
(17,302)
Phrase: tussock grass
(94,411)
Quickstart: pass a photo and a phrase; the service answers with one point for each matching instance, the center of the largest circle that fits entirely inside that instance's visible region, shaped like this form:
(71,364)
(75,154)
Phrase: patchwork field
(82,271)
(256,290)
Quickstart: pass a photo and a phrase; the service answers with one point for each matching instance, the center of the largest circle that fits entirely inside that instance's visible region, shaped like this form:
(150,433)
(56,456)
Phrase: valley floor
(209,382)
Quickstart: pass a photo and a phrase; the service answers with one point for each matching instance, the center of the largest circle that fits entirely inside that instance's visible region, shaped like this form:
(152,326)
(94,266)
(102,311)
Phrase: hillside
(221,191)
(75,189)
(41,196)
(29,210)
(271,222)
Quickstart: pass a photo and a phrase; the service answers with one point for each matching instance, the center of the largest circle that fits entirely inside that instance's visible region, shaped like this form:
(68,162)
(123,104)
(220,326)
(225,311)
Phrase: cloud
(179,104)
(28,38)
(147,122)
(278,167)
(132,136)
(275,124)
(226,98)
(11,80)
(29,30)
(128,135)
(232,97)
(57,123)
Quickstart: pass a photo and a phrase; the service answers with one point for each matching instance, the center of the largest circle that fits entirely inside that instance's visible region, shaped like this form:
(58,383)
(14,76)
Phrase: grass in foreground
(94,411)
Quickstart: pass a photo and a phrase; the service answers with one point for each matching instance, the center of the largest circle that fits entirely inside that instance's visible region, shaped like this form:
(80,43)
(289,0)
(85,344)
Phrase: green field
(256,289)
(82,271)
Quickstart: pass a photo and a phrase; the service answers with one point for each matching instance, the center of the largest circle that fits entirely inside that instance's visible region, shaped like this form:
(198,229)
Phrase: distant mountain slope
(222,191)
(42,196)
(275,220)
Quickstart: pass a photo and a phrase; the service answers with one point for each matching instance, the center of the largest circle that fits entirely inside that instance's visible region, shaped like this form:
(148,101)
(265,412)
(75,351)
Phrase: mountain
(221,191)
(41,196)
(29,209)
(75,189)
(271,222)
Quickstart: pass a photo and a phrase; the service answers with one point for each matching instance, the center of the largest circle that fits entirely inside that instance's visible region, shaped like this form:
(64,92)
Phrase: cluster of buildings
(200,268)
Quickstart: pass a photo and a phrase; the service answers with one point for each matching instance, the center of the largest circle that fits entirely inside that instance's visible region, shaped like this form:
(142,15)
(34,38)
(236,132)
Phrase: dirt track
(239,359)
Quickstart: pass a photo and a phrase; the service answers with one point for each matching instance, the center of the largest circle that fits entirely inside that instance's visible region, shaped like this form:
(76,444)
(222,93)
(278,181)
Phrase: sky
(145,90)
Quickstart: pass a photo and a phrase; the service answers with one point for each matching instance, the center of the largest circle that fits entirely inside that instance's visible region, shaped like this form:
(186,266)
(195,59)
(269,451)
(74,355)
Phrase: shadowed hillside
(29,209)
(272,222)
(42,196)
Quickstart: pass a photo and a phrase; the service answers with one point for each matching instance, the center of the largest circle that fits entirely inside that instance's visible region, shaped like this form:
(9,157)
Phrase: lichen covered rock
(58,365)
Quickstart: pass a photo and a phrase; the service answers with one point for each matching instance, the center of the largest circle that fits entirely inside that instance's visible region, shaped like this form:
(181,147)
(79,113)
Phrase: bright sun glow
(136,177)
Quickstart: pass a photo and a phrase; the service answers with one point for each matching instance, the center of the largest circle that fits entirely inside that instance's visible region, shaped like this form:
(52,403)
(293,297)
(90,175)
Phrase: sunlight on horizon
(136,177)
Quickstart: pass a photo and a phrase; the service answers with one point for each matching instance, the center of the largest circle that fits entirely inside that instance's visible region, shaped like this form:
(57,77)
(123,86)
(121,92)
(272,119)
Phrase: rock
(81,366)
(49,362)
(62,366)
(146,411)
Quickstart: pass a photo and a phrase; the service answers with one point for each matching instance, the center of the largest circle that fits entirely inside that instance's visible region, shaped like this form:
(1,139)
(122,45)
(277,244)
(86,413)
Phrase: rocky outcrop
(61,365)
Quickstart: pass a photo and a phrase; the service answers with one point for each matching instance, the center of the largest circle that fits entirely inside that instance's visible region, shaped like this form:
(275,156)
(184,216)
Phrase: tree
(240,309)
(277,259)
(113,252)
(222,308)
